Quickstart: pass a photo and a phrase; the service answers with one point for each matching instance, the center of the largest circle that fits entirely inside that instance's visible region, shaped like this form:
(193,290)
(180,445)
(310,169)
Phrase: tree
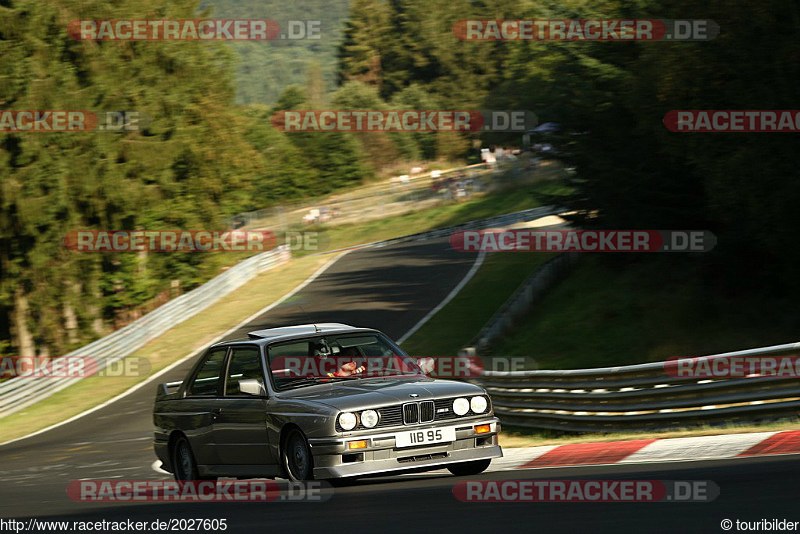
(366,35)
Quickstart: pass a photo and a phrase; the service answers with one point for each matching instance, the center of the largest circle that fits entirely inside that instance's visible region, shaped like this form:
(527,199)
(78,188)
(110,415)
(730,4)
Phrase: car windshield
(328,359)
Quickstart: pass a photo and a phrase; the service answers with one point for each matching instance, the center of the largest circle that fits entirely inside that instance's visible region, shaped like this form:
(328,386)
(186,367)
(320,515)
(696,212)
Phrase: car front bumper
(333,459)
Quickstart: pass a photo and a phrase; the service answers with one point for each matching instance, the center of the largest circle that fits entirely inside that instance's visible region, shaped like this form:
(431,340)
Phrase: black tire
(183,465)
(298,464)
(467,469)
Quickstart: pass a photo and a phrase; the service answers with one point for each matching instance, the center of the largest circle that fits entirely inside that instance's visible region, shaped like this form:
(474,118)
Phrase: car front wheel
(183,464)
(296,456)
(466,469)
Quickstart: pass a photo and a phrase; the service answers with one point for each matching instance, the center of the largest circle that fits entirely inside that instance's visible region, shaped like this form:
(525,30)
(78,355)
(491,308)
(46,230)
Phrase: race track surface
(389,289)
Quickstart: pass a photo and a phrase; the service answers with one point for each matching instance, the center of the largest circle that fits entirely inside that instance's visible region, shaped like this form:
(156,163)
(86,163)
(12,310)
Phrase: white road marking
(474,269)
(156,466)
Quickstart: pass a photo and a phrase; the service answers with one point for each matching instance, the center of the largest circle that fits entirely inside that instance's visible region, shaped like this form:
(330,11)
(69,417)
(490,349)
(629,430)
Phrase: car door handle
(216,411)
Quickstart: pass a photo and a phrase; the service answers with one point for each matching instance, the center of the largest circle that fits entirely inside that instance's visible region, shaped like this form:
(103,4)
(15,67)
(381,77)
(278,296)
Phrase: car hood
(377,392)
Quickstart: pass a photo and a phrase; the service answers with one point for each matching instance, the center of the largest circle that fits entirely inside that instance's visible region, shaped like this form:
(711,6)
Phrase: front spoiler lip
(392,468)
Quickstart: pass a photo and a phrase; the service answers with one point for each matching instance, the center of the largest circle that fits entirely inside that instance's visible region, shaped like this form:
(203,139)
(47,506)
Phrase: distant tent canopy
(547,127)
(544,128)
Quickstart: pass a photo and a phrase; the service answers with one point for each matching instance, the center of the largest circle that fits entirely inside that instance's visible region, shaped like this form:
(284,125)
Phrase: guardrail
(641,397)
(17,393)
(520,302)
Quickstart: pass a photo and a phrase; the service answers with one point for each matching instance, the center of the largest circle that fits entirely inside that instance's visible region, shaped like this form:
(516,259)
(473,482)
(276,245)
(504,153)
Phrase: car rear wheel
(296,456)
(183,465)
(466,469)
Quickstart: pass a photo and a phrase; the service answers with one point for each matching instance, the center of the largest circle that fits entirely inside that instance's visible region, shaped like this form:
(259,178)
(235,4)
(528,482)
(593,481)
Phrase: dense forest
(201,158)
(210,152)
(198,161)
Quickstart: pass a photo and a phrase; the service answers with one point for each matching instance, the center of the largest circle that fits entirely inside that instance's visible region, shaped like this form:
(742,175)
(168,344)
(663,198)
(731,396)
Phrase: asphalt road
(750,490)
(390,289)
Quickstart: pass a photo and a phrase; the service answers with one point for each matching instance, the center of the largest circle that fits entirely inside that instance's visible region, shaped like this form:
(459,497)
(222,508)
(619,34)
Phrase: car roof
(270,335)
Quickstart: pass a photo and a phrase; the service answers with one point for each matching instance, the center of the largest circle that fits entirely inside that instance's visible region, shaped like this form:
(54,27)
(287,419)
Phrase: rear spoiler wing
(167,389)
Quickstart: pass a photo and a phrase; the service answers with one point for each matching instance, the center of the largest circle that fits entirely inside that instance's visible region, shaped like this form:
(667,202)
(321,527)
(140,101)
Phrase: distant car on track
(246,410)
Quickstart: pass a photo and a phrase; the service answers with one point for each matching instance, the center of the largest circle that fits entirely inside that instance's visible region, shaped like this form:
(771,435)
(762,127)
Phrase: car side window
(245,364)
(279,363)
(206,381)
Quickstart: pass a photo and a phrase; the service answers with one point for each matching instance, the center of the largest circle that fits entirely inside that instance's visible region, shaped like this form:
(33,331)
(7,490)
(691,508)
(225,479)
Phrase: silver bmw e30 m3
(321,401)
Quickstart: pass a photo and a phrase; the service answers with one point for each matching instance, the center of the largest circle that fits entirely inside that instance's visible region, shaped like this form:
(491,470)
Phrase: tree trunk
(20,334)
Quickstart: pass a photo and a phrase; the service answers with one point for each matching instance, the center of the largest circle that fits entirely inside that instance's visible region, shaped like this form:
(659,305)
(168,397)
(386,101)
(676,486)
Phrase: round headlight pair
(461,405)
(348,420)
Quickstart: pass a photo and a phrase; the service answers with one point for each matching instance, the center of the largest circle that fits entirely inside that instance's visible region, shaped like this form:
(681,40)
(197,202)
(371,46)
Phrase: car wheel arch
(285,431)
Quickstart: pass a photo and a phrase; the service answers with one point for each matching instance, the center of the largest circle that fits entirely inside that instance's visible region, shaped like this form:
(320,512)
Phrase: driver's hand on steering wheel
(350,368)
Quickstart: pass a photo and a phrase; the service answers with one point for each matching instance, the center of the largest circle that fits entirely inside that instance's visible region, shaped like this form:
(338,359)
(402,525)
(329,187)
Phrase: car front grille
(391,416)
(444,409)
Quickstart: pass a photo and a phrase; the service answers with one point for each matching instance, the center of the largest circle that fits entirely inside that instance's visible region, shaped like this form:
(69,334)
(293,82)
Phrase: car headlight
(369,418)
(348,420)
(478,404)
(460,406)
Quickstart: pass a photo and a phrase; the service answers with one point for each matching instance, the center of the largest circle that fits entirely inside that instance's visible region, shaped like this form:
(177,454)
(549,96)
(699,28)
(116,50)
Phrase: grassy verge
(614,311)
(178,342)
(511,439)
(462,318)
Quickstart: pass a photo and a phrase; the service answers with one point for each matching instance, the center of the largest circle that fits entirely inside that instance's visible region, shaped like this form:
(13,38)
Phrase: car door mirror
(253,387)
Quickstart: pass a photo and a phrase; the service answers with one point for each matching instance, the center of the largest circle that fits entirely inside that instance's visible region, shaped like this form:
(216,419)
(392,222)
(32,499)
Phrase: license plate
(415,438)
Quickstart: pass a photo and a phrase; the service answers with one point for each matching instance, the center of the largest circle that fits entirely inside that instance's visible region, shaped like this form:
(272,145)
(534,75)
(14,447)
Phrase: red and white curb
(651,450)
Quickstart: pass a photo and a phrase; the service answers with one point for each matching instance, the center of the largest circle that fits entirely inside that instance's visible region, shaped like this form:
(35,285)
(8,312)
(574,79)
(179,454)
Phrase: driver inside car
(347,368)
